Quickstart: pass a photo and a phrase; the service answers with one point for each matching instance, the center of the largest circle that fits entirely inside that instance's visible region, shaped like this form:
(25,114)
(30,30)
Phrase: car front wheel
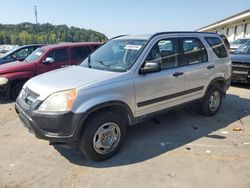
(102,135)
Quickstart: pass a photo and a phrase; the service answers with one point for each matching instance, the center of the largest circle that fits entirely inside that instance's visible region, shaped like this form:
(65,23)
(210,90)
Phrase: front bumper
(241,73)
(54,127)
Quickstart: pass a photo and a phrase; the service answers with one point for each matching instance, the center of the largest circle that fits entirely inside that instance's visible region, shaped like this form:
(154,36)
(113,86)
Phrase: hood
(66,78)
(234,46)
(16,66)
(240,58)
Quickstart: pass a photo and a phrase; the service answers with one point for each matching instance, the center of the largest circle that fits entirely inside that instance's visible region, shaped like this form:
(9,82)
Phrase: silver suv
(125,81)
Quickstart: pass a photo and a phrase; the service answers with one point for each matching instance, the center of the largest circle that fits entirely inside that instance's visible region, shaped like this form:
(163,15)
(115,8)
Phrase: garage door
(230,36)
(239,32)
(247,31)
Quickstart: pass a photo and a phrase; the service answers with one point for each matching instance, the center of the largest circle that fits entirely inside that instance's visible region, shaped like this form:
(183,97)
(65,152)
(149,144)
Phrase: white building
(234,27)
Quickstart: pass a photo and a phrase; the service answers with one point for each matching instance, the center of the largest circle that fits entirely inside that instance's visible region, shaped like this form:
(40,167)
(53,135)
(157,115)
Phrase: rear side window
(217,46)
(60,55)
(80,53)
(193,51)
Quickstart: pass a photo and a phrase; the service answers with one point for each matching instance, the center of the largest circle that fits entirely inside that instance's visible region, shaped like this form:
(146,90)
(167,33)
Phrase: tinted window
(193,51)
(60,55)
(217,46)
(23,53)
(80,53)
(165,52)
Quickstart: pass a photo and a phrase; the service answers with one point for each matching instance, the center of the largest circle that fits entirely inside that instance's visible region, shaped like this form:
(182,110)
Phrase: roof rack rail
(118,36)
(174,32)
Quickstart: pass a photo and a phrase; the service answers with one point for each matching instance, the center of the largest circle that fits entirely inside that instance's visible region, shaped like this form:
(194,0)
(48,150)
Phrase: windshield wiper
(102,63)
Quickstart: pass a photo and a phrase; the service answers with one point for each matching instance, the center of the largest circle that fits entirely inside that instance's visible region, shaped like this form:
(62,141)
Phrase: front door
(160,90)
(60,58)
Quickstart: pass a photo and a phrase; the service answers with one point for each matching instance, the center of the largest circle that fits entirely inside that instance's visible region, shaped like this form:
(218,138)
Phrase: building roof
(240,16)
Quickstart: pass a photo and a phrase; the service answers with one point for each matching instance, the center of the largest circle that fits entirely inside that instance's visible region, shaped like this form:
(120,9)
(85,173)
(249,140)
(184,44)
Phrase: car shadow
(240,85)
(167,132)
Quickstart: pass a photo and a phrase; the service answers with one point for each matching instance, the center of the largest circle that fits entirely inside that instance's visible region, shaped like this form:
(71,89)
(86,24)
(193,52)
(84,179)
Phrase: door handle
(176,74)
(210,66)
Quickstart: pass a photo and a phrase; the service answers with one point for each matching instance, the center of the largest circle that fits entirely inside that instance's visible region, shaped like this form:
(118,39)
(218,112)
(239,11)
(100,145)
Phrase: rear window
(80,53)
(217,46)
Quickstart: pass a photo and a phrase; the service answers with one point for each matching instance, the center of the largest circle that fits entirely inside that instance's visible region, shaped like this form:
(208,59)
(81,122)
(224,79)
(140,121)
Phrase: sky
(116,17)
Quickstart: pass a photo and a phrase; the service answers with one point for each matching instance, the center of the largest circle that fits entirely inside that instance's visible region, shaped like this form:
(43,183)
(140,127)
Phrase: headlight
(3,80)
(59,102)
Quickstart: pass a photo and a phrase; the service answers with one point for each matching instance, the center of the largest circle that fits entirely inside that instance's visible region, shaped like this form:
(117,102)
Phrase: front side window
(217,46)
(35,55)
(117,55)
(59,55)
(193,51)
(164,52)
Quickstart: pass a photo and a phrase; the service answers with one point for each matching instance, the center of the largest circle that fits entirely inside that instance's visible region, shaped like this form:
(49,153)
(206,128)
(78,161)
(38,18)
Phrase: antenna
(35,11)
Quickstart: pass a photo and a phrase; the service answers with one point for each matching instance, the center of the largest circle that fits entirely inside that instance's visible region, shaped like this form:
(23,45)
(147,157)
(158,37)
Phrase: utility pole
(35,11)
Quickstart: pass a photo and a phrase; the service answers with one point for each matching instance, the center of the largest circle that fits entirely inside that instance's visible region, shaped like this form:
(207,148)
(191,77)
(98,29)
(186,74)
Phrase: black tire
(205,104)
(16,89)
(86,143)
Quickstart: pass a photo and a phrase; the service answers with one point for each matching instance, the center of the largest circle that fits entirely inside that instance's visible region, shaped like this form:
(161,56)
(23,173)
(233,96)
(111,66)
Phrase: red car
(14,75)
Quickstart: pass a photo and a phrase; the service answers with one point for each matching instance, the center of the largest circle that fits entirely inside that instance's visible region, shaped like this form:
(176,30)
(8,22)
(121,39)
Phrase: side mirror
(48,60)
(150,67)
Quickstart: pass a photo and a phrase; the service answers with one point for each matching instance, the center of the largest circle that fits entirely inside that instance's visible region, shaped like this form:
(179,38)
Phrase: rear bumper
(54,127)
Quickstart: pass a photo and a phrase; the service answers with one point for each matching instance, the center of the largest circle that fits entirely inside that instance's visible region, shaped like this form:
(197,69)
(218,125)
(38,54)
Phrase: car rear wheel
(102,135)
(212,101)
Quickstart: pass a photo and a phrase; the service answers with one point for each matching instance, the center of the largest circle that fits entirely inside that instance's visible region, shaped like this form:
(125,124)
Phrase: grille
(244,67)
(29,97)
(239,64)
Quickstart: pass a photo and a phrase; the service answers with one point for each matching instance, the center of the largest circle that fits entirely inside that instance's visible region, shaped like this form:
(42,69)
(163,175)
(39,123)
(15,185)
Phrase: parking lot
(178,149)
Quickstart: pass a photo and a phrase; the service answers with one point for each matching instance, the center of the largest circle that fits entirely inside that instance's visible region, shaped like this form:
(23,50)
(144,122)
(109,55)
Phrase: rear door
(79,53)
(197,69)
(61,59)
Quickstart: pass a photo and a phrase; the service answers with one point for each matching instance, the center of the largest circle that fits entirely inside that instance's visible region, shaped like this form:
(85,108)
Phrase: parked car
(5,48)
(241,64)
(236,44)
(125,81)
(19,53)
(14,75)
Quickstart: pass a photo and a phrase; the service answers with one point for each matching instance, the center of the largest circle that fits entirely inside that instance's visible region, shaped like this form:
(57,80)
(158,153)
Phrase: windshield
(35,55)
(240,41)
(116,55)
(243,49)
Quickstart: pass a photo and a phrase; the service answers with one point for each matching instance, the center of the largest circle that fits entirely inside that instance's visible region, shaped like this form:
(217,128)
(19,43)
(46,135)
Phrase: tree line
(28,33)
